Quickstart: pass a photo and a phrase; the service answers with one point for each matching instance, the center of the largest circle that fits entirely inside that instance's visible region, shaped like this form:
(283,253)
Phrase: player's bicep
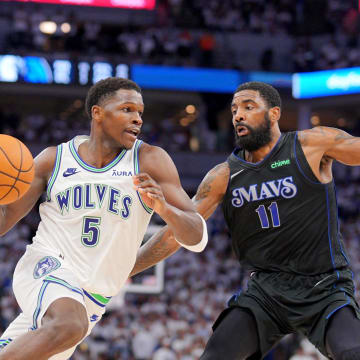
(174,193)
(159,165)
(332,143)
(343,147)
(211,190)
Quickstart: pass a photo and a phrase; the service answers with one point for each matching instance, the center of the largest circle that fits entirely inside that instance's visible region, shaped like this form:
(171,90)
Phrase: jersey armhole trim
(54,172)
(136,171)
(299,166)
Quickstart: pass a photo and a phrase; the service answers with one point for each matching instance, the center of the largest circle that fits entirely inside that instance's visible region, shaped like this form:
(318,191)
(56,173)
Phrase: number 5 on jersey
(90,231)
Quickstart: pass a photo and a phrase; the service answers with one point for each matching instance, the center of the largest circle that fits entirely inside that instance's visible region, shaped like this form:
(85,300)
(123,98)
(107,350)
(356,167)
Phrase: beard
(256,138)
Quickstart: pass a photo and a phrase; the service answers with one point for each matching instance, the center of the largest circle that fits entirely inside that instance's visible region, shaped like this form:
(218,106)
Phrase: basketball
(16,169)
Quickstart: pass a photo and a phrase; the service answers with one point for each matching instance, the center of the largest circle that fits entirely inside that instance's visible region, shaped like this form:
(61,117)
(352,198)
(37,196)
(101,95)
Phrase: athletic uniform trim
(46,282)
(97,298)
(55,171)
(136,171)
(337,226)
(329,230)
(300,168)
(338,308)
(38,306)
(326,187)
(4,342)
(90,168)
(56,280)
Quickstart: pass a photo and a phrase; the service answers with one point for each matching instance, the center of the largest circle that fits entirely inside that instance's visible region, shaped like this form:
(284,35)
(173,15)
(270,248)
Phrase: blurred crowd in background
(169,133)
(319,34)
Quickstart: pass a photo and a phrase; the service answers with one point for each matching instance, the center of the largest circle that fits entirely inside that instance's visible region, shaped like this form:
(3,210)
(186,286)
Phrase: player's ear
(96,112)
(274,113)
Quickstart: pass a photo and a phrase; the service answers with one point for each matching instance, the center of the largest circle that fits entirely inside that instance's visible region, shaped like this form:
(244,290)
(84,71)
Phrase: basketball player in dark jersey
(278,199)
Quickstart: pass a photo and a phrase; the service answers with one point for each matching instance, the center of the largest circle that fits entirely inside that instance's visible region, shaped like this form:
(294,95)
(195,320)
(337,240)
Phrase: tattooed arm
(163,244)
(322,145)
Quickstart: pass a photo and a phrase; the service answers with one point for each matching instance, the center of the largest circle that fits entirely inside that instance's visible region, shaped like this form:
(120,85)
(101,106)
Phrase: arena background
(188,56)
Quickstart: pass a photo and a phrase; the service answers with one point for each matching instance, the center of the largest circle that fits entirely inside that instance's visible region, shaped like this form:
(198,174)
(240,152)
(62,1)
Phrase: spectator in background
(207,45)
(144,343)
(164,352)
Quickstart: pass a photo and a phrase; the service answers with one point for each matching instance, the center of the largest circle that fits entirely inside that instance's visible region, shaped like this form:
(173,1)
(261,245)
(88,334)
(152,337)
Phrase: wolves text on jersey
(284,187)
(83,197)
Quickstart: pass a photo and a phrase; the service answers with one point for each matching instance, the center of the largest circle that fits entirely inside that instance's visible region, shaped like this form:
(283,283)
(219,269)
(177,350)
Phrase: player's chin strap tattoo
(200,246)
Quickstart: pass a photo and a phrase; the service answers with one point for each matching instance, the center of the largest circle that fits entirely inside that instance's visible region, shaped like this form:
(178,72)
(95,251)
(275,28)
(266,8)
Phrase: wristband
(200,246)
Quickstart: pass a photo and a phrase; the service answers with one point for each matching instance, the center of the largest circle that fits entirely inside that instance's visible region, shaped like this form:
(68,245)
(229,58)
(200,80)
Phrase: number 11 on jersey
(263,216)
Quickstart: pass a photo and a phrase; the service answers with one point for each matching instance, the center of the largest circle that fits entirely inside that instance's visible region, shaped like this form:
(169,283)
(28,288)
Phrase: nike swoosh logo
(319,282)
(237,173)
(66,174)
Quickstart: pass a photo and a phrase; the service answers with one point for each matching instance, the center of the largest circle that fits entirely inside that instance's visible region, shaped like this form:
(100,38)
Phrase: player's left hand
(150,191)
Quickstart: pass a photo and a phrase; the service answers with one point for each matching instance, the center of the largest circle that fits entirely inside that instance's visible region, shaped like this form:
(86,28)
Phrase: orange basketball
(16,169)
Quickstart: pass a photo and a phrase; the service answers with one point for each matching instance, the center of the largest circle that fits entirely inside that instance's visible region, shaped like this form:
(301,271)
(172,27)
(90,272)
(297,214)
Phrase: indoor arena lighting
(190,109)
(47,27)
(65,27)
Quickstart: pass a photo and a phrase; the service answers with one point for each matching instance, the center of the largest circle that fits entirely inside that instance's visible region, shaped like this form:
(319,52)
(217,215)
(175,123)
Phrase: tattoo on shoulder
(303,137)
(206,185)
(342,135)
(345,138)
(320,130)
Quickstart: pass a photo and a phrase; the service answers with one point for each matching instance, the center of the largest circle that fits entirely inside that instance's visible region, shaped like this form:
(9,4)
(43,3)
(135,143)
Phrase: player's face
(250,117)
(121,117)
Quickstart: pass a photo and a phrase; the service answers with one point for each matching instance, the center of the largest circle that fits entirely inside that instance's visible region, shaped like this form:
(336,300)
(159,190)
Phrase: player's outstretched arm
(10,214)
(332,143)
(163,244)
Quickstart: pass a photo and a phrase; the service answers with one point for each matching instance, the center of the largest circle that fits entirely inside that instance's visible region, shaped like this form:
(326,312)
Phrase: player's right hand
(150,191)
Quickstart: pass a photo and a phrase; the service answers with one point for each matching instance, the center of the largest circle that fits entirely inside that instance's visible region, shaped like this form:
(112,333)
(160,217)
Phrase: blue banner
(326,83)
(186,79)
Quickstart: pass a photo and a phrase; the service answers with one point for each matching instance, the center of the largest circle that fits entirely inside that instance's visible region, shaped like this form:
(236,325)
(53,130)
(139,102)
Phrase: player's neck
(98,153)
(260,154)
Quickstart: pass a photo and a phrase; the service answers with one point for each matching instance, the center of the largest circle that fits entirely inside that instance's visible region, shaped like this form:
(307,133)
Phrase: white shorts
(40,278)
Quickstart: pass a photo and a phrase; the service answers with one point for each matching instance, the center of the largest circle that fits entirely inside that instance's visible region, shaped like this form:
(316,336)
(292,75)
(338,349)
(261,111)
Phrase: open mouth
(242,130)
(133,132)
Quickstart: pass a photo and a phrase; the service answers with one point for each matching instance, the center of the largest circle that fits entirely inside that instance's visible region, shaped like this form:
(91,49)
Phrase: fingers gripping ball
(16,169)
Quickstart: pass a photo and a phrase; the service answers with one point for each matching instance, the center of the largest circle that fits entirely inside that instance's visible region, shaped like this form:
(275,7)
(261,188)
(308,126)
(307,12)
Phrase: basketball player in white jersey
(101,191)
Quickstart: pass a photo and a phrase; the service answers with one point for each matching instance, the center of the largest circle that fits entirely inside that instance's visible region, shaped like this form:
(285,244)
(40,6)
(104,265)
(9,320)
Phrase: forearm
(186,226)
(158,247)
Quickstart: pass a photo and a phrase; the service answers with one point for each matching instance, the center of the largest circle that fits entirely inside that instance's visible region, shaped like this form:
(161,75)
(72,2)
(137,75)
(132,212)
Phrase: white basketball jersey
(93,218)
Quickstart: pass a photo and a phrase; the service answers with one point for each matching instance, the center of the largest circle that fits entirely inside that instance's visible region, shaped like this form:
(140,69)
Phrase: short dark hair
(106,88)
(266,91)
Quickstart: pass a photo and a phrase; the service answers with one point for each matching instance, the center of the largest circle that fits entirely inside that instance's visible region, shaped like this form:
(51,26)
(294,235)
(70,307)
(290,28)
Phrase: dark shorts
(285,303)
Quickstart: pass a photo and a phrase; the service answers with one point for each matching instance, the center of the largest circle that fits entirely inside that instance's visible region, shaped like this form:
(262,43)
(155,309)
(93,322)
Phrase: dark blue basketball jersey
(281,218)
